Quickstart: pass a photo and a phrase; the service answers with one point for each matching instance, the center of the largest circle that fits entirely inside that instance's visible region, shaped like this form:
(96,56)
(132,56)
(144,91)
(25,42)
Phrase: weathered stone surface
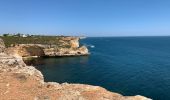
(68,46)
(21,82)
(66,51)
(83,50)
(26,50)
(74,43)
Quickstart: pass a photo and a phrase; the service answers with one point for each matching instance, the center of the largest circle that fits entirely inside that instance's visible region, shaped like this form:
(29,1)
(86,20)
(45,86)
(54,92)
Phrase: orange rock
(21,82)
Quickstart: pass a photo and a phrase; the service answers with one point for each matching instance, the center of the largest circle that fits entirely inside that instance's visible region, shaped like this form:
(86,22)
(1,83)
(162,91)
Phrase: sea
(126,65)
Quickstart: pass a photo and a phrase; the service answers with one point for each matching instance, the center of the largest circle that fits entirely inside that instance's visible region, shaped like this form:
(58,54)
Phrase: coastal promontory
(21,82)
(45,46)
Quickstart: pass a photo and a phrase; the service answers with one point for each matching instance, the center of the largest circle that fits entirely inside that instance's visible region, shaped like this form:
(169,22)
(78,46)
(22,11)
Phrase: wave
(90,45)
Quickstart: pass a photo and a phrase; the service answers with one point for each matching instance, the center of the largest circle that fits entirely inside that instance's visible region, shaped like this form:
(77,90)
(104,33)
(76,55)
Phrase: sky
(86,17)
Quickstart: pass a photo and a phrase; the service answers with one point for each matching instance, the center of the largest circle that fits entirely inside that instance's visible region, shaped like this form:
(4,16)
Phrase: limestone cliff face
(67,46)
(72,42)
(66,51)
(27,50)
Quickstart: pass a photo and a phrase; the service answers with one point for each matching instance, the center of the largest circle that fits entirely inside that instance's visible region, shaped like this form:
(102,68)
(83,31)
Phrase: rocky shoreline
(67,46)
(21,82)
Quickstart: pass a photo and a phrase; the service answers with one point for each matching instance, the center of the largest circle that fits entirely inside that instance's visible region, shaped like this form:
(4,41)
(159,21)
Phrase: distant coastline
(35,46)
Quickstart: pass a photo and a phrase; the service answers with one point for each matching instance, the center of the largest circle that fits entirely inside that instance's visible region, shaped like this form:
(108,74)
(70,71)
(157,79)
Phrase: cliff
(65,46)
(66,51)
(25,50)
(21,82)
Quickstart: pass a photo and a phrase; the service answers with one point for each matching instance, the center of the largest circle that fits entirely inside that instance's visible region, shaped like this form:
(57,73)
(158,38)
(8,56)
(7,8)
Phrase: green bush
(46,40)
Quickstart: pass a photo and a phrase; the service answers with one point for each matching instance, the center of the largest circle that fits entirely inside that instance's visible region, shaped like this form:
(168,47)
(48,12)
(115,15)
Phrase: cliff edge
(21,82)
(64,46)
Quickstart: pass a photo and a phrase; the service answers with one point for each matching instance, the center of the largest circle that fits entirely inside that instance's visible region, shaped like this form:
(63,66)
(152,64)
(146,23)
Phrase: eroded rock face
(66,51)
(67,46)
(74,43)
(26,50)
(2,45)
(83,50)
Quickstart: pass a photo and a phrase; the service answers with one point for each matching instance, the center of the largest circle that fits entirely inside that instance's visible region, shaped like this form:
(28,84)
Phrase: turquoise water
(127,65)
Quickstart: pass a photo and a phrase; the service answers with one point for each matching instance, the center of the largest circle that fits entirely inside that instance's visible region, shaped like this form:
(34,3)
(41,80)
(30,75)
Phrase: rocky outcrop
(67,46)
(66,51)
(21,82)
(2,45)
(25,50)
(73,42)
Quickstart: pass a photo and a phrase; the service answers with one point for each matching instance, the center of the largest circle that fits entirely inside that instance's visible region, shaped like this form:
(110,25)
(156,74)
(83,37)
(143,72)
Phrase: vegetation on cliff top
(46,40)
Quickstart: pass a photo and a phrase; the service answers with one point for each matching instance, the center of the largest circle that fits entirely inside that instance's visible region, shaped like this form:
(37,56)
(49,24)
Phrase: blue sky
(86,17)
